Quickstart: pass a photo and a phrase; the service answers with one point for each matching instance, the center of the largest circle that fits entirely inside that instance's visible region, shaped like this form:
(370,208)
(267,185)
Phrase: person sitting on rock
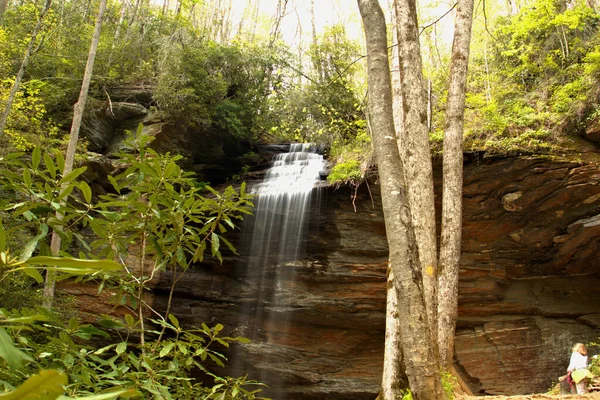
(578,368)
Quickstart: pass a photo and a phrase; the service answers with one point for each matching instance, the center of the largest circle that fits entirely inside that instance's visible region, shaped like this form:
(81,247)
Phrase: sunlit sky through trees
(296,27)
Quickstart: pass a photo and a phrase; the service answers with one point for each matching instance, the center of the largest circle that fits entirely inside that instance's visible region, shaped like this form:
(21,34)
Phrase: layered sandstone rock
(529,287)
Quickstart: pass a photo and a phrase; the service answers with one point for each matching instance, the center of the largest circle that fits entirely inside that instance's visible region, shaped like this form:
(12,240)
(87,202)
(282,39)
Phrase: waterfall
(282,202)
(273,240)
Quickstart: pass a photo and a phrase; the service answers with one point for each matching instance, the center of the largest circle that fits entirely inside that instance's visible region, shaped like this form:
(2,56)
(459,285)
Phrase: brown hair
(580,348)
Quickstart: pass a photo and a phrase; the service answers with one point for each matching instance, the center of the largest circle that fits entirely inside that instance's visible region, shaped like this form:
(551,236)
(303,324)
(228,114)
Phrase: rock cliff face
(529,287)
(529,280)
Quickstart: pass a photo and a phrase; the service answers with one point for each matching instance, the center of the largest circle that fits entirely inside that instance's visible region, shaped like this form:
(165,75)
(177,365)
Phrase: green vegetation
(533,78)
(158,220)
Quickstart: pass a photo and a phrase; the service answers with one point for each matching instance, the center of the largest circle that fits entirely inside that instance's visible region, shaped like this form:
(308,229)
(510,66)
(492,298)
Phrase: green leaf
(104,396)
(36,157)
(129,320)
(174,321)
(121,347)
(60,160)
(214,243)
(24,320)
(10,353)
(229,245)
(216,360)
(111,215)
(47,385)
(73,174)
(218,328)
(75,265)
(86,191)
(32,244)
(50,165)
(27,178)
(34,273)
(167,349)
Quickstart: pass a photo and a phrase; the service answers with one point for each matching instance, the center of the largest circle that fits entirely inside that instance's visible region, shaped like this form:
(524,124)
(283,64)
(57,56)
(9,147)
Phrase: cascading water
(273,239)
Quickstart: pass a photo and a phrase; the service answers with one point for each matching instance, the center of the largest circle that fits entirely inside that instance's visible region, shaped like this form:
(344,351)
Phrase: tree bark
(453,180)
(73,138)
(26,58)
(394,377)
(419,169)
(422,366)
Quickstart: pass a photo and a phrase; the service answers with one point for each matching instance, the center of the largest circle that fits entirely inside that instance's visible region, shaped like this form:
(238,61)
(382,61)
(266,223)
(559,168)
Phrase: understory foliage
(533,77)
(157,220)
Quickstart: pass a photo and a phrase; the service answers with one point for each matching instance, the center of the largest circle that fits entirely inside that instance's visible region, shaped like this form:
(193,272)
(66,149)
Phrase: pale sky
(330,12)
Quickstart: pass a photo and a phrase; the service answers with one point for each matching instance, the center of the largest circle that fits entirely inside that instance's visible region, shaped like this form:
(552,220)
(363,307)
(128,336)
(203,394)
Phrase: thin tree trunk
(26,58)
(419,169)
(315,57)
(488,86)
(118,30)
(451,232)
(254,20)
(422,366)
(73,138)
(281,9)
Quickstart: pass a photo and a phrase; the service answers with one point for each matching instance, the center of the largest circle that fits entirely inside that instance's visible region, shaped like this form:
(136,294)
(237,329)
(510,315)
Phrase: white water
(282,204)
(273,239)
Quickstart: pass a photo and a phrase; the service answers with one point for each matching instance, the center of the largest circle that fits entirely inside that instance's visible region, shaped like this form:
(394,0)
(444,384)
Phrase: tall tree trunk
(419,169)
(118,30)
(315,57)
(394,377)
(451,233)
(26,58)
(73,138)
(255,19)
(281,10)
(422,366)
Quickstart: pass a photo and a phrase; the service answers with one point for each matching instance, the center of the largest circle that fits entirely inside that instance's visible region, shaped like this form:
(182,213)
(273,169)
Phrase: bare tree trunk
(26,58)
(73,138)
(394,377)
(281,9)
(315,57)
(118,30)
(226,31)
(255,19)
(422,366)
(419,169)
(451,233)
(488,86)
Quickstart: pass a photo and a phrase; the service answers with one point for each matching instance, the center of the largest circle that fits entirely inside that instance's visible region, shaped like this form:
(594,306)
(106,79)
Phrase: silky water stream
(273,242)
